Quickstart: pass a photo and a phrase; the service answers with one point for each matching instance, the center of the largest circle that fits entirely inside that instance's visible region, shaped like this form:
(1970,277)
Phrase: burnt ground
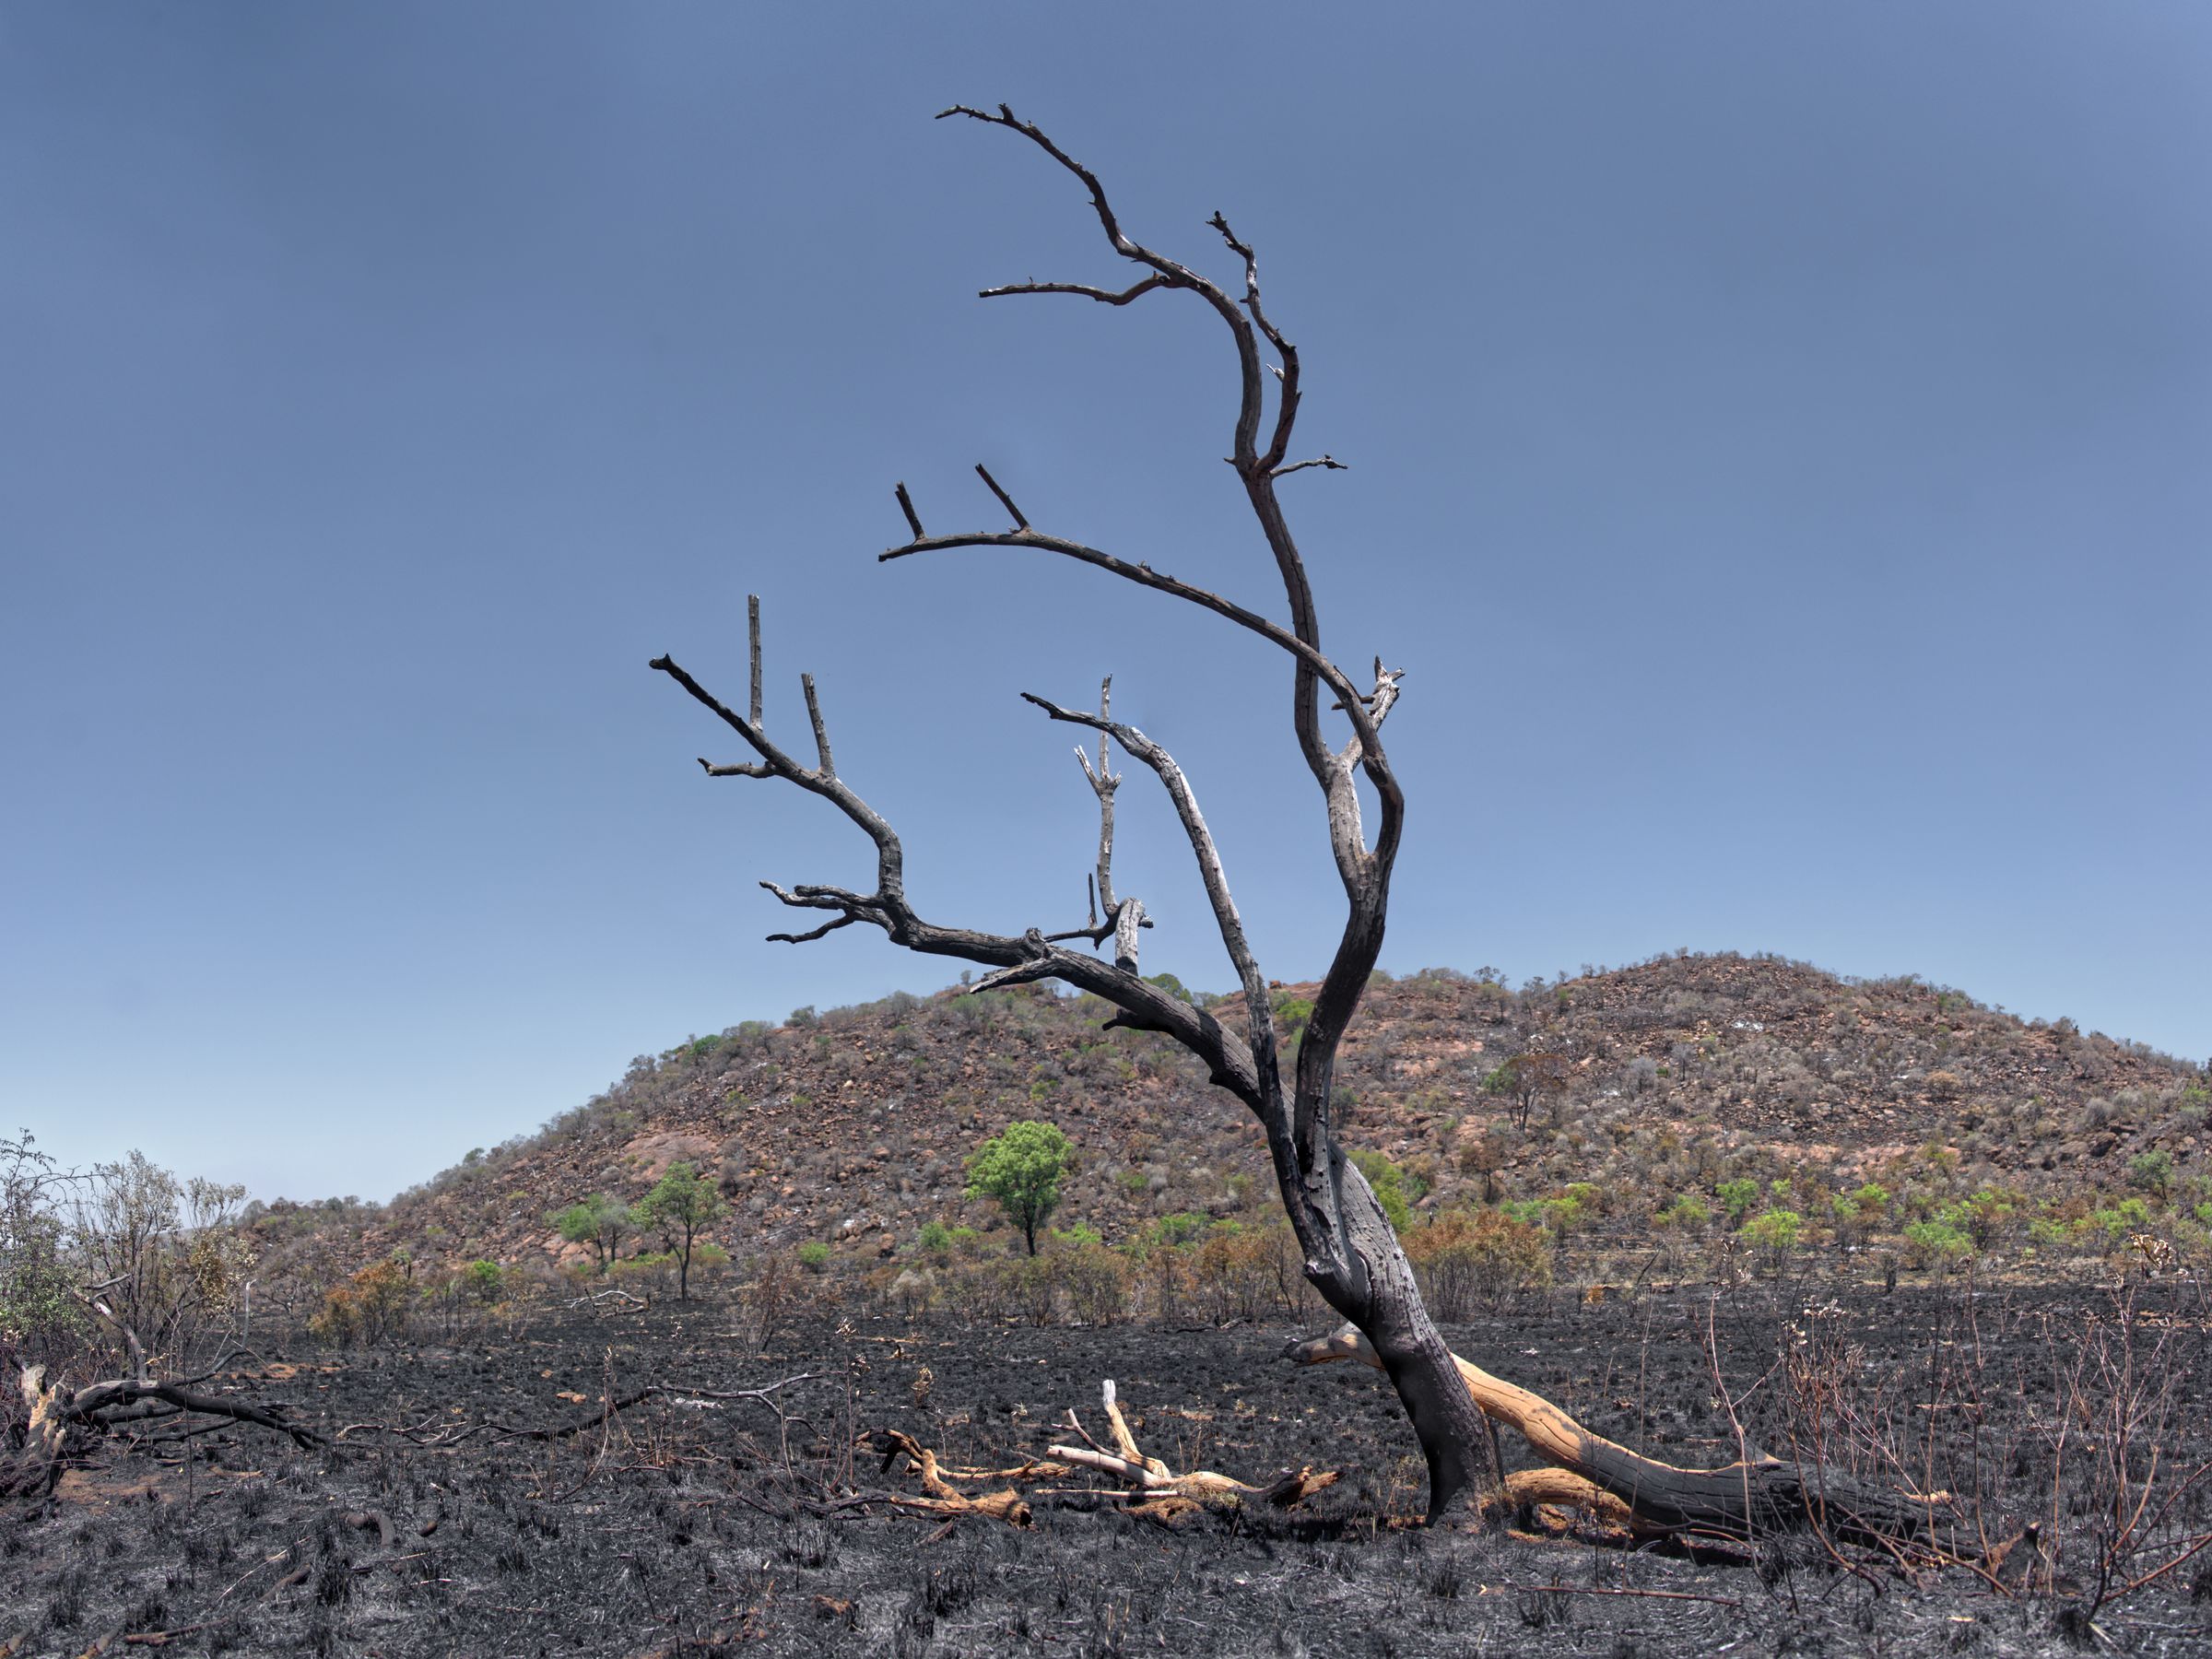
(679,1523)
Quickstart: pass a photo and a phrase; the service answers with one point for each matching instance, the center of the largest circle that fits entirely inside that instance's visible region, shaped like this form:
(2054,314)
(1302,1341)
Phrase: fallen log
(1755,1495)
(1158,1492)
(59,1414)
(941,1497)
(1151,1489)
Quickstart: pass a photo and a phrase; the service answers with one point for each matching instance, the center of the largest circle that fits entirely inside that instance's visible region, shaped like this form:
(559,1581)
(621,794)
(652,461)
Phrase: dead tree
(1352,1253)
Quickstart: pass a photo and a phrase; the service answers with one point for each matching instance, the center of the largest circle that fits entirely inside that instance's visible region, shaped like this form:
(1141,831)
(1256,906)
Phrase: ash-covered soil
(685,1524)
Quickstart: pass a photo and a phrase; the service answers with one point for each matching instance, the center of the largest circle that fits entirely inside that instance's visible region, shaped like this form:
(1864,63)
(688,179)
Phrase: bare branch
(1260,1016)
(1105,296)
(1286,408)
(1175,274)
(1144,575)
(1096,932)
(752,638)
(890,856)
(1379,704)
(815,933)
(1329,462)
(821,731)
(906,505)
(1019,973)
(737,769)
(1144,1006)
(1103,782)
(1005,500)
(1128,917)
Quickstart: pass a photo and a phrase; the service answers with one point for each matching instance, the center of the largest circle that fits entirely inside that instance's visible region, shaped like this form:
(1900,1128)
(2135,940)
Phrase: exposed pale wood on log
(1161,1492)
(1738,1501)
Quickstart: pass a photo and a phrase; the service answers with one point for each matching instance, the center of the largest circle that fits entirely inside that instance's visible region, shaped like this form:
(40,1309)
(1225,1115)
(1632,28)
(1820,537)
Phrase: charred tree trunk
(1351,1254)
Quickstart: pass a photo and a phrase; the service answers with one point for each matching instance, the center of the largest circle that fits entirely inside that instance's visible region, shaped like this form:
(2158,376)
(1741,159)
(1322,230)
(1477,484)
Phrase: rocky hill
(851,1127)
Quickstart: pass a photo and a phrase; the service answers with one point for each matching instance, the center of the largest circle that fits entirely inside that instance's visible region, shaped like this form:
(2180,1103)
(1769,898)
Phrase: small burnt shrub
(811,1546)
(1539,1611)
(66,1606)
(945,1590)
(1476,1258)
(369,1309)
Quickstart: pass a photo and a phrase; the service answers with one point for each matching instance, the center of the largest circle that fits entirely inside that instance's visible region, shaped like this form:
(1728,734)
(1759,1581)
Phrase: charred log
(1756,1497)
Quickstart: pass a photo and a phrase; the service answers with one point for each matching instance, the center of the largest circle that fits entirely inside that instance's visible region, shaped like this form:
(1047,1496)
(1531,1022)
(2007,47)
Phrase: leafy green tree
(1021,1169)
(599,1222)
(679,1205)
(1936,1243)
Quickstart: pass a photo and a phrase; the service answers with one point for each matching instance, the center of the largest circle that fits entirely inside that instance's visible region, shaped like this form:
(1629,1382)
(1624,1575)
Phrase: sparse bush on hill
(678,1208)
(599,1222)
(1473,1260)
(372,1307)
(1732,1042)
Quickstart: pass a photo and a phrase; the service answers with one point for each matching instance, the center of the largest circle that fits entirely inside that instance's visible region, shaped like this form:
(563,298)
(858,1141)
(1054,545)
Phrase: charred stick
(906,505)
(1005,500)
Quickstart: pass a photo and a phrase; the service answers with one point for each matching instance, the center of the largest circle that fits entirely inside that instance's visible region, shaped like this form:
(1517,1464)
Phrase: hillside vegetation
(1742,1108)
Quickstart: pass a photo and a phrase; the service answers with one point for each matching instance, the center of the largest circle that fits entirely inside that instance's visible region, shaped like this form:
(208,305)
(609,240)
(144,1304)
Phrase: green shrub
(1775,1232)
(1738,1197)
(1179,1228)
(814,1255)
(934,1237)
(2117,1220)
(483,1281)
(1389,1186)
(1685,1212)
(1936,1243)
(2152,1171)
(2049,1235)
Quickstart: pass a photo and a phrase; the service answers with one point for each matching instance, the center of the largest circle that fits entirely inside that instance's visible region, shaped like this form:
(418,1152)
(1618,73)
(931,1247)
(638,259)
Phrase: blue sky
(1778,441)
